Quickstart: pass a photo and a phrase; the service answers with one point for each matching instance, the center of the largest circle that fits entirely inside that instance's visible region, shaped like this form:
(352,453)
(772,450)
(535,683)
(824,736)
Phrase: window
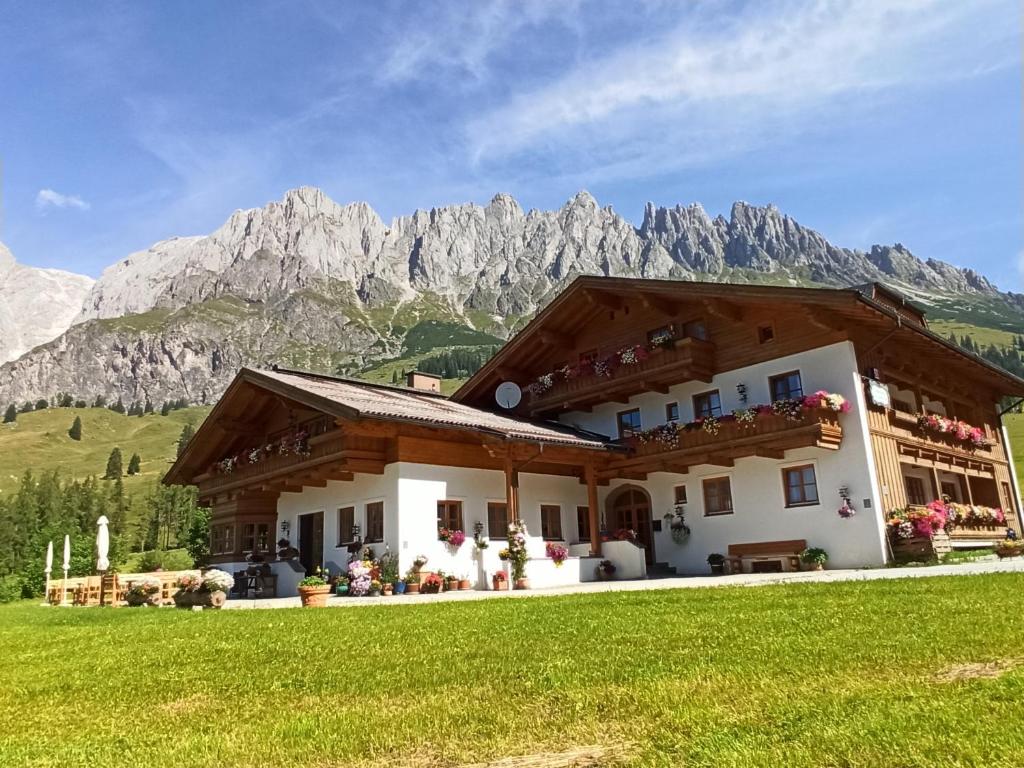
(660,336)
(346,522)
(915,491)
(765,333)
(551,522)
(222,539)
(707,404)
(680,494)
(374,521)
(629,422)
(583,523)
(256,537)
(497,520)
(949,489)
(1008,496)
(672,412)
(801,486)
(449,515)
(786,386)
(695,329)
(717,496)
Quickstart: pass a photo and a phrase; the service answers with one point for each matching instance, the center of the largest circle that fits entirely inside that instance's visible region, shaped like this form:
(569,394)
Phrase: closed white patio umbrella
(47,570)
(102,544)
(67,567)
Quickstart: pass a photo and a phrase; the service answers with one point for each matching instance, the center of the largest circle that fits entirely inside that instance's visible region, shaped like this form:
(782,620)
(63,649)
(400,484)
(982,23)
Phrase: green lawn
(852,674)
(1015,429)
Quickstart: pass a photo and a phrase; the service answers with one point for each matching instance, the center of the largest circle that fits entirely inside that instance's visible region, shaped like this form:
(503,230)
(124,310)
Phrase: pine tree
(11,415)
(134,464)
(27,408)
(81,404)
(394,376)
(149,406)
(114,469)
(99,402)
(118,407)
(75,433)
(186,434)
(42,405)
(165,408)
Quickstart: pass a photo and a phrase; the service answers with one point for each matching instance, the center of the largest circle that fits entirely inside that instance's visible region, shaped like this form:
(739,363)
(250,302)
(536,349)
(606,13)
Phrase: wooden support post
(595,526)
(936,483)
(511,490)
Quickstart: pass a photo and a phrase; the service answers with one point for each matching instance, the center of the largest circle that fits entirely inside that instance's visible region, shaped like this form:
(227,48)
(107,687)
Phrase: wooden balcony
(769,436)
(332,455)
(970,533)
(688,359)
(904,426)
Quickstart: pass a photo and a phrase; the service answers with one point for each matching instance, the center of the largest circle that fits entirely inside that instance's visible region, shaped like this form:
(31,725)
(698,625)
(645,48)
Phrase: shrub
(12,587)
(165,560)
(215,580)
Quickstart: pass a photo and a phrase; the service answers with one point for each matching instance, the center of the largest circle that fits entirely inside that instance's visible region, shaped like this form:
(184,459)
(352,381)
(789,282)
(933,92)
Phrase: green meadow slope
(39,441)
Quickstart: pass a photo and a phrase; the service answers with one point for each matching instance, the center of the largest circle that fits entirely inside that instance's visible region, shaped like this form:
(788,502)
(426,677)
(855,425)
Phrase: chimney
(428,382)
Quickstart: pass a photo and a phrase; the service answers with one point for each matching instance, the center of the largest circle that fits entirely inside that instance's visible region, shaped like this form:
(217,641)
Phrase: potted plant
(517,555)
(442,576)
(341,586)
(717,562)
(499,581)
(398,587)
(557,552)
(431,584)
(188,585)
(375,588)
(451,583)
(412,581)
(215,588)
(313,590)
(464,582)
(145,591)
(605,570)
(814,558)
(1009,548)
(359,578)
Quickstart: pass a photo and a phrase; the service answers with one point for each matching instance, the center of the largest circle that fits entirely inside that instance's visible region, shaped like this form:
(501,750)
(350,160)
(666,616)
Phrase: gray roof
(365,400)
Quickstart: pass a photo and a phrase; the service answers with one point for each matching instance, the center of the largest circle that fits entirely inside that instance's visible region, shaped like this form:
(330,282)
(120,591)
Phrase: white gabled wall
(760,510)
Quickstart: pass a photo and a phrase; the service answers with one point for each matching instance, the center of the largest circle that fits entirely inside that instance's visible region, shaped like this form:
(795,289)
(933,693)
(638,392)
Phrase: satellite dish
(508,394)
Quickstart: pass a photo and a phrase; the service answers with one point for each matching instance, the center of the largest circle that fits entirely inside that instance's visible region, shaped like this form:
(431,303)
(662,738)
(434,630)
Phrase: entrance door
(311,541)
(631,508)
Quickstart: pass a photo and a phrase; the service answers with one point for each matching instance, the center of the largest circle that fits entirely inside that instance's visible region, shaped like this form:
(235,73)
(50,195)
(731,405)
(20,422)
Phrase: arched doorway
(630,507)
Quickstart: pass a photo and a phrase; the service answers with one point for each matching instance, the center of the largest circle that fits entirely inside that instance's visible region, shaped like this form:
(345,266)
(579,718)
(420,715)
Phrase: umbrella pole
(64,589)
(46,594)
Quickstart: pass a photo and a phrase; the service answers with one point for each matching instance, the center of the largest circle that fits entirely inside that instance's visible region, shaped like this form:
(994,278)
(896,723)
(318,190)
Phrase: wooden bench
(786,551)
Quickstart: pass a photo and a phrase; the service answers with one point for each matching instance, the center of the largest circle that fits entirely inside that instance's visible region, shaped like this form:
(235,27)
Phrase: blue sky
(874,122)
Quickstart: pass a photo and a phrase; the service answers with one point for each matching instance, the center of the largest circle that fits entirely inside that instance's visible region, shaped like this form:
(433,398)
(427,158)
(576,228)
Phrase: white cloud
(48,198)
(717,84)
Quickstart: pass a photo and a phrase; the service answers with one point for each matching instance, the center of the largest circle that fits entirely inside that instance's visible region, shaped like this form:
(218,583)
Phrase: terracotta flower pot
(314,597)
(465,584)
(387,589)
(412,587)
(452,584)
(499,584)
(523,583)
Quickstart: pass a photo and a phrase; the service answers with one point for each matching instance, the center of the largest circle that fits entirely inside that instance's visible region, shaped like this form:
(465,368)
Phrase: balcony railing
(769,435)
(687,359)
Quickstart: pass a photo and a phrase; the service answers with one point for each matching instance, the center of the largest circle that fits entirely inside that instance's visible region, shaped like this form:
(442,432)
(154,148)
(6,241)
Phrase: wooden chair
(89,591)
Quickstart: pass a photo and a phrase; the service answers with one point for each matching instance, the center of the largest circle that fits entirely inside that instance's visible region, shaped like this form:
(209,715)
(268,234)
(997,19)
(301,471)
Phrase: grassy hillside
(982,335)
(39,441)
(1015,428)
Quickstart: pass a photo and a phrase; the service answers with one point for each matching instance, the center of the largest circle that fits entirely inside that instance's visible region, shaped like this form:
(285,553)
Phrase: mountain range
(308,282)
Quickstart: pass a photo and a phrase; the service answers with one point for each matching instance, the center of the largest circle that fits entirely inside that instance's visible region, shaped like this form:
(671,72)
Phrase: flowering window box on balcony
(767,431)
(622,374)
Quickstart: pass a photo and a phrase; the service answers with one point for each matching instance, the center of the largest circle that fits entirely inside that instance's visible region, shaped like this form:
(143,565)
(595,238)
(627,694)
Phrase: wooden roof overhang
(847,310)
(348,442)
